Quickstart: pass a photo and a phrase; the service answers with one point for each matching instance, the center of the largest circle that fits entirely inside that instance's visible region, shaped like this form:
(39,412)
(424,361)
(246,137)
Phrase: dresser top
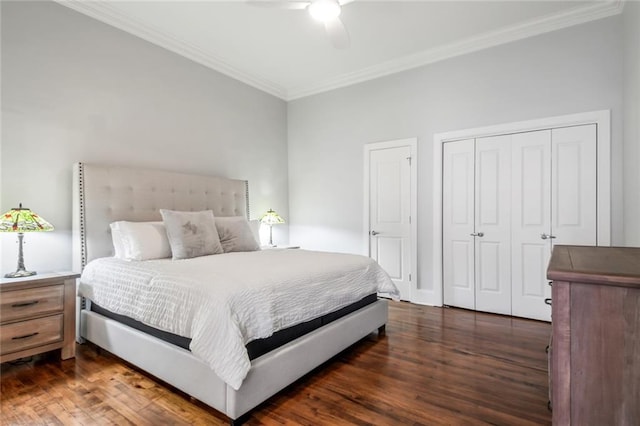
(40,279)
(619,266)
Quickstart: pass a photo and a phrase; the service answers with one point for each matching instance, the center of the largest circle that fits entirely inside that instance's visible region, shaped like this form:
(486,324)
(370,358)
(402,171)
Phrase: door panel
(573,177)
(488,266)
(389,213)
(530,218)
(390,254)
(462,277)
(457,220)
(535,258)
(493,224)
(389,178)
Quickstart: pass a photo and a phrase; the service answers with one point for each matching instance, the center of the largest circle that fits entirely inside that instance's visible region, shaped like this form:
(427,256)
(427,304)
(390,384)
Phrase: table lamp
(271,218)
(22,220)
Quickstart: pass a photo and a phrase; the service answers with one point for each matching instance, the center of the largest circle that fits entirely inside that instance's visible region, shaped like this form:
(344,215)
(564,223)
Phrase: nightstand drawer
(30,333)
(31,302)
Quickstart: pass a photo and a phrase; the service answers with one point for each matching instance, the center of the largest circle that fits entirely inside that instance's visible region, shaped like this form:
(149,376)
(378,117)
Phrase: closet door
(530,219)
(574,185)
(457,223)
(493,224)
(554,202)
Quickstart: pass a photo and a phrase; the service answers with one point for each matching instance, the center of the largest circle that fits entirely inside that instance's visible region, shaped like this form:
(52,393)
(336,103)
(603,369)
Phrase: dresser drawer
(31,333)
(30,302)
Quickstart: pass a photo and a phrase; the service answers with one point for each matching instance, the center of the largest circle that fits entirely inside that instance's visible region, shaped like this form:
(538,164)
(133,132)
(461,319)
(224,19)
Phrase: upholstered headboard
(104,194)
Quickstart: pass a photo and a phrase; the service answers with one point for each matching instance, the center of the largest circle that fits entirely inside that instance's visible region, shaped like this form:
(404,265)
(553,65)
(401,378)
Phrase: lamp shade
(271,218)
(22,219)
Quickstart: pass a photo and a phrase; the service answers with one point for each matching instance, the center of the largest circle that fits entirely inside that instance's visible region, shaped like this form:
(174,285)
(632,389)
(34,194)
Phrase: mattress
(224,302)
(255,348)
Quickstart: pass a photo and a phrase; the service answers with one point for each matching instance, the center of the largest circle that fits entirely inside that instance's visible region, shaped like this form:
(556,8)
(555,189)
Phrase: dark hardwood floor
(434,366)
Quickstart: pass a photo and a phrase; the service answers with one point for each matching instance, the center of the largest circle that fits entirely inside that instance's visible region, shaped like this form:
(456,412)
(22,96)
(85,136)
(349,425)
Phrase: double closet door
(507,200)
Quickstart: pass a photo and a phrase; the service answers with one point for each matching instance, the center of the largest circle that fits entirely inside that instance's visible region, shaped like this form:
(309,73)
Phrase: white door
(390,241)
(457,223)
(554,202)
(573,190)
(493,224)
(530,220)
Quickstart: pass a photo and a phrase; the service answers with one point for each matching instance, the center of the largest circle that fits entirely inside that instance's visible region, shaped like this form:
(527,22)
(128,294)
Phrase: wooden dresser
(37,314)
(595,357)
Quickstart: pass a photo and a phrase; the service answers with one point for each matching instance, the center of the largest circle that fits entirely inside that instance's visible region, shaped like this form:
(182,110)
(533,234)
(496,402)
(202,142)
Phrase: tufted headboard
(104,194)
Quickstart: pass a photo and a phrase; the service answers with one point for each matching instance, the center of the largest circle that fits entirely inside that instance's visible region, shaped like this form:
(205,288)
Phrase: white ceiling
(287,54)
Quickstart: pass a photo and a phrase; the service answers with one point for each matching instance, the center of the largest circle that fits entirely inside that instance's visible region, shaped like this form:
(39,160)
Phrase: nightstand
(38,314)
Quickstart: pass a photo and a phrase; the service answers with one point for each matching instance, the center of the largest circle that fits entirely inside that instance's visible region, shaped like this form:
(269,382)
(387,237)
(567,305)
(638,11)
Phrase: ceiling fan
(325,11)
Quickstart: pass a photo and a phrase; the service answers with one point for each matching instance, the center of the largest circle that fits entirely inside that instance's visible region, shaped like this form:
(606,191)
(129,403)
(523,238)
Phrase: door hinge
(409,277)
(409,220)
(409,158)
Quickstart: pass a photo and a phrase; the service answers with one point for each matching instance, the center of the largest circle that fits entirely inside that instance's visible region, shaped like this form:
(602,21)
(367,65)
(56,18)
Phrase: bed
(105,194)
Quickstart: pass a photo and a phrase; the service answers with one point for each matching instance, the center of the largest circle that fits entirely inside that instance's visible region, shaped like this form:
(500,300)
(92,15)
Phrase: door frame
(412,143)
(602,119)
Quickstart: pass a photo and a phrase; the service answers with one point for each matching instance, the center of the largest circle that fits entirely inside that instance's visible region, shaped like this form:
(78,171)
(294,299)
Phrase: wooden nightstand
(38,314)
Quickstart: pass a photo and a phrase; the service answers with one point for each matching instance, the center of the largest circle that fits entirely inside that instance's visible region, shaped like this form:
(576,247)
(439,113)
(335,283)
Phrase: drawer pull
(26,336)
(22,305)
(547,301)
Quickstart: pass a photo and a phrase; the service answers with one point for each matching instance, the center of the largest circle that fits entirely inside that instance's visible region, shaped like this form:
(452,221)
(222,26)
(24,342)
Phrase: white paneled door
(476,224)
(458,224)
(530,220)
(574,185)
(493,224)
(390,239)
(507,200)
(554,203)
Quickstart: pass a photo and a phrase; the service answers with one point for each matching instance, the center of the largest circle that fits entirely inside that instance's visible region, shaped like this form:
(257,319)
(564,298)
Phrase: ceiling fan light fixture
(324,10)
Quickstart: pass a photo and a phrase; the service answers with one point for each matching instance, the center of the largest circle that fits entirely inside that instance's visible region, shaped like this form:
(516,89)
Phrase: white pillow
(235,234)
(255,229)
(191,234)
(140,240)
(118,244)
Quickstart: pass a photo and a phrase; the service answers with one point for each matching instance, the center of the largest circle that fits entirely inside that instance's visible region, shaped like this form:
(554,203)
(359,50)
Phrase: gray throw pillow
(191,234)
(235,234)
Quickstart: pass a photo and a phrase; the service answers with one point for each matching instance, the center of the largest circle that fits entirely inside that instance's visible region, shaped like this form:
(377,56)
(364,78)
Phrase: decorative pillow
(191,234)
(140,240)
(235,234)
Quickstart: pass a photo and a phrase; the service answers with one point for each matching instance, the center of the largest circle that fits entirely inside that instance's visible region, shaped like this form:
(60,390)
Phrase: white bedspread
(224,301)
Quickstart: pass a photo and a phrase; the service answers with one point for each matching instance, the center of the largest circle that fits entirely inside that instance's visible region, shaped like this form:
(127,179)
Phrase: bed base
(269,373)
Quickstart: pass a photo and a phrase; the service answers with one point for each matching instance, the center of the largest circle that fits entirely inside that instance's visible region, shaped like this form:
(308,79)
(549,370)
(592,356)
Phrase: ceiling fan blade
(277,4)
(337,33)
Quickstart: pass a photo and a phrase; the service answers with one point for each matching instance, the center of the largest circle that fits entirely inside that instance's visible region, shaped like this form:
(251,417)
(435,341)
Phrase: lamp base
(20,273)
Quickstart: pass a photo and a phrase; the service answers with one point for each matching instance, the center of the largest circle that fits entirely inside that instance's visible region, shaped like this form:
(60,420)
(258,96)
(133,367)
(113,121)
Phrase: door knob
(478,234)
(374,233)
(545,236)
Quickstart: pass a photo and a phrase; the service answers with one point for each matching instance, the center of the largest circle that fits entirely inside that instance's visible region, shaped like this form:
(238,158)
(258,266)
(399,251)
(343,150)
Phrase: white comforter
(224,301)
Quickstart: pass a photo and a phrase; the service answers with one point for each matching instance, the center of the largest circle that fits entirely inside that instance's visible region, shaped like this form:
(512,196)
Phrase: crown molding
(102,11)
(473,44)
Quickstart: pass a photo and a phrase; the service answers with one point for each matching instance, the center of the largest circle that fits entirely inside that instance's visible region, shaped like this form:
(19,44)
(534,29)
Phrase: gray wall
(573,70)
(632,123)
(74,89)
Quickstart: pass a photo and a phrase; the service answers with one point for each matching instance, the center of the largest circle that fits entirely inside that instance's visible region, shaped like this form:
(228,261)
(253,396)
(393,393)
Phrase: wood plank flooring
(434,366)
